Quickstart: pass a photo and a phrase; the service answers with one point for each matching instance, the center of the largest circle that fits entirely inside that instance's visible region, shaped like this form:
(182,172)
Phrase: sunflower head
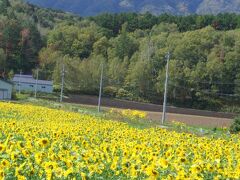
(5,163)
(2,147)
(43,142)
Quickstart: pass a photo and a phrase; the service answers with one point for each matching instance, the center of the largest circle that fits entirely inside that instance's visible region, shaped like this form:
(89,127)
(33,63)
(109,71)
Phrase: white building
(28,83)
(6,88)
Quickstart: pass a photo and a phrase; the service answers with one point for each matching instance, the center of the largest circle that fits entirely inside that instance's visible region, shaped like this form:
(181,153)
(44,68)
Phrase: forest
(204,65)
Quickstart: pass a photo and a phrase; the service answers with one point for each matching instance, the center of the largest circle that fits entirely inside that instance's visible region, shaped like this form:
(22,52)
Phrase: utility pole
(165,91)
(100,89)
(149,44)
(36,84)
(62,85)
(19,82)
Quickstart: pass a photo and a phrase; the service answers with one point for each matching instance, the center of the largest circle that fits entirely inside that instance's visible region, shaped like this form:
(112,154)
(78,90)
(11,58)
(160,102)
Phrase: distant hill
(93,7)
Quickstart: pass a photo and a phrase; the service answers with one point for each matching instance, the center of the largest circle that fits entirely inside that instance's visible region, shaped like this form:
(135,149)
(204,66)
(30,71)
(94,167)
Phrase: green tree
(101,46)
(124,45)
(4,4)
(139,79)
(73,40)
(2,60)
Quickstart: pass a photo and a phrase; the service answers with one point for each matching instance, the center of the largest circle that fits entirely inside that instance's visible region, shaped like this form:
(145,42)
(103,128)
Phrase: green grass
(25,95)
(200,131)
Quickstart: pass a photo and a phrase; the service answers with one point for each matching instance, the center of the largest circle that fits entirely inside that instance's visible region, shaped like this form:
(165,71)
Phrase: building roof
(30,80)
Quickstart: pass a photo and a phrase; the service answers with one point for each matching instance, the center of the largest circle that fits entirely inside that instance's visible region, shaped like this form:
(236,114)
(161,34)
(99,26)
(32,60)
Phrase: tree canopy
(205,52)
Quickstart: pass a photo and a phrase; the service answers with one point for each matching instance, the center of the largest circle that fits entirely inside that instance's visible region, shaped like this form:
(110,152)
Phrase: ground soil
(191,117)
(193,120)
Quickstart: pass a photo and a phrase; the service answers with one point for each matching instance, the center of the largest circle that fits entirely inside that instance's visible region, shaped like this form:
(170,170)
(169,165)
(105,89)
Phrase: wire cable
(204,91)
(207,82)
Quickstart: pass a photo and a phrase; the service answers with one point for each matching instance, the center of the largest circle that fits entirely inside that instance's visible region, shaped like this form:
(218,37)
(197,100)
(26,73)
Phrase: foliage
(22,30)
(110,91)
(204,68)
(114,22)
(235,127)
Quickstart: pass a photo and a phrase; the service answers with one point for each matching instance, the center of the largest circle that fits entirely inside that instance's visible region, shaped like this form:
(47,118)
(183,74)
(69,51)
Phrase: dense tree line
(20,40)
(205,52)
(23,30)
(114,22)
(204,63)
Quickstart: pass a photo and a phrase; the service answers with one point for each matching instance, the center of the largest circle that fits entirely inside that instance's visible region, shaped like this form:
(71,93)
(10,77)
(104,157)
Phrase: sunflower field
(41,143)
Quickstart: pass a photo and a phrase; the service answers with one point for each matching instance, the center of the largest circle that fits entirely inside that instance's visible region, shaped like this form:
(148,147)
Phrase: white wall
(31,87)
(7,94)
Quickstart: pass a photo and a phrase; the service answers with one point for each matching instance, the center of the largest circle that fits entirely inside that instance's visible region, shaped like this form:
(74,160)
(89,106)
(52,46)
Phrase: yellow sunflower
(43,142)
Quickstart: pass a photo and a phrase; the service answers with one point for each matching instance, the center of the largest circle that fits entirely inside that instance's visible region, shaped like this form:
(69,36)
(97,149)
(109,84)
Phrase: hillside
(93,7)
(204,67)
(23,28)
(216,6)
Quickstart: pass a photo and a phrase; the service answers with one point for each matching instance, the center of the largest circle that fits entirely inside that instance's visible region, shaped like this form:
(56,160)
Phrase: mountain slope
(93,7)
(219,6)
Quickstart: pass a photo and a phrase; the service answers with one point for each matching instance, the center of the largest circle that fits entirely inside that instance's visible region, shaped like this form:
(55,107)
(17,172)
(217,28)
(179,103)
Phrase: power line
(206,82)
(204,91)
(179,86)
(222,94)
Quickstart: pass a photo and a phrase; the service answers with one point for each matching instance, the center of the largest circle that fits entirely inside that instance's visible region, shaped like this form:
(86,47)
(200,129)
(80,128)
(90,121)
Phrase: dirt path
(123,104)
(192,120)
(202,121)
(191,117)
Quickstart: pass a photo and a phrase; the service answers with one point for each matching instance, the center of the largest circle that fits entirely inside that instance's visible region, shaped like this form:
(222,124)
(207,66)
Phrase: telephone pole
(62,85)
(165,90)
(100,89)
(19,82)
(36,84)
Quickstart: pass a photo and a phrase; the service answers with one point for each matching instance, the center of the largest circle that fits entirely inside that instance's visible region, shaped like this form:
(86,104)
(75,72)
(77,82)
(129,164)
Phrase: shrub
(122,93)
(235,127)
(14,95)
(110,91)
